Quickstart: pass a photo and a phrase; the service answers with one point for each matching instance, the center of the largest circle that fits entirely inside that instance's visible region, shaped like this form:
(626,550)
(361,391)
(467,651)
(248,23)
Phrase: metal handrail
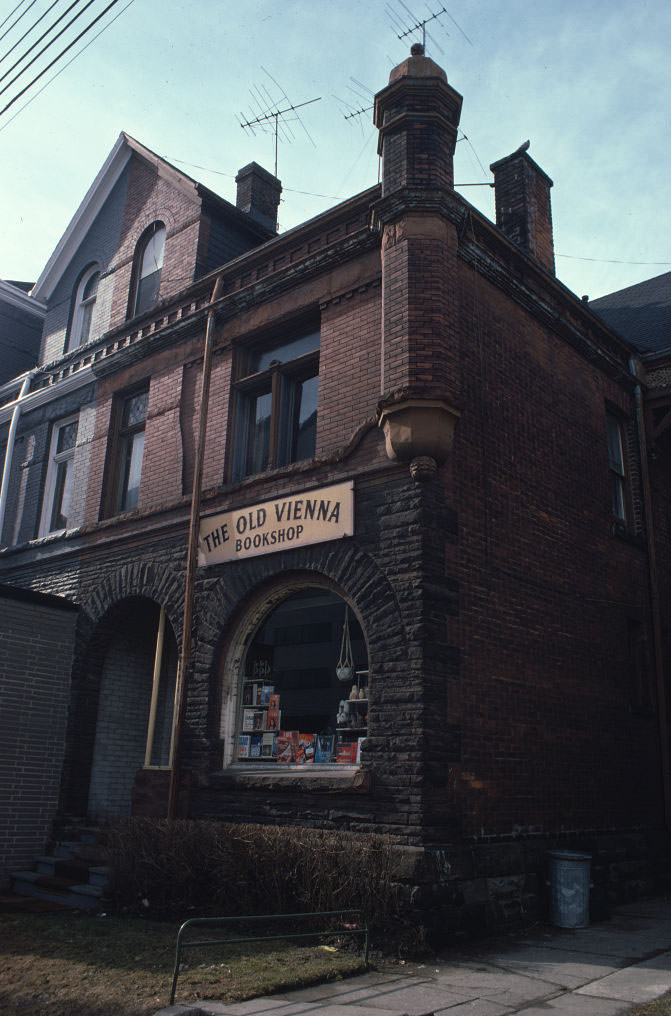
(359,926)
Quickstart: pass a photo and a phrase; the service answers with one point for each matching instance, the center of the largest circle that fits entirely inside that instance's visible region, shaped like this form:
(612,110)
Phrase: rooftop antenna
(274,114)
(361,93)
(405,22)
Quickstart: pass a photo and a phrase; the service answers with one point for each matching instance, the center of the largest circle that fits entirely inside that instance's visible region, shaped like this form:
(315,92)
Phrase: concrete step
(56,890)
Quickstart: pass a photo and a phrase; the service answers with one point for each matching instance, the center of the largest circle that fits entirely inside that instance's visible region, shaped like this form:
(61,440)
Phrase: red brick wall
(349,367)
(551,737)
(152,198)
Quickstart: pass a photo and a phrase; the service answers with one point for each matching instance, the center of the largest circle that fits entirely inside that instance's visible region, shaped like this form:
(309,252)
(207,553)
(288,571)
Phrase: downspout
(179,706)
(9,450)
(654,597)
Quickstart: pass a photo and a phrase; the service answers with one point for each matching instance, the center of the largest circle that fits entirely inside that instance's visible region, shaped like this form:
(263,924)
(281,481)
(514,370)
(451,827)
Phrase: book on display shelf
(255,747)
(259,719)
(287,744)
(269,745)
(346,753)
(324,747)
(244,745)
(266,690)
(248,719)
(305,751)
(274,717)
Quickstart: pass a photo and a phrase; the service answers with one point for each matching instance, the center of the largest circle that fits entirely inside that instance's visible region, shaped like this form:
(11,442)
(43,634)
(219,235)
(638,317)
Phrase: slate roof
(640,313)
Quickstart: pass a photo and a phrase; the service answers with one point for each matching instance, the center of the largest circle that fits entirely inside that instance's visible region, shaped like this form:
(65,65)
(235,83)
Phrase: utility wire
(612,261)
(12,12)
(65,66)
(29,30)
(57,58)
(44,48)
(8,30)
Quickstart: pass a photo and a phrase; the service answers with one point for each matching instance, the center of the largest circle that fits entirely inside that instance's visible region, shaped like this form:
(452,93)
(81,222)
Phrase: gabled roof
(640,313)
(98,193)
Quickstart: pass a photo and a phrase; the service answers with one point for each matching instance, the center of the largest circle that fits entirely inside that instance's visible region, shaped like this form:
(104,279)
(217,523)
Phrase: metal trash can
(569,888)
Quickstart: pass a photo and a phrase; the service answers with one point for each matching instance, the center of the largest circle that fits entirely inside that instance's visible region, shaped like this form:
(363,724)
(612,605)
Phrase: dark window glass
(277,406)
(131,449)
(149,271)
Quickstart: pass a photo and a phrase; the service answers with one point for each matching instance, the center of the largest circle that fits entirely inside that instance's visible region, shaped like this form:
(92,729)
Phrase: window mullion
(276,394)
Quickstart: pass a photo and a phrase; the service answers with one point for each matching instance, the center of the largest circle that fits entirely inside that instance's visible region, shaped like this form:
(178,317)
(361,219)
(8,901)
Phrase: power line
(8,30)
(66,65)
(613,261)
(12,12)
(57,58)
(29,30)
(44,48)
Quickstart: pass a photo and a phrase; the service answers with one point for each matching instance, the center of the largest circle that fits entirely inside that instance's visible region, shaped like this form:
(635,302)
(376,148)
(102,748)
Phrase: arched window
(293,707)
(148,267)
(82,309)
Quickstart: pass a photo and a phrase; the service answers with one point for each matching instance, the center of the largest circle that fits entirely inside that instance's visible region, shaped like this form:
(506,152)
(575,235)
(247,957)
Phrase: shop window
(616,468)
(148,268)
(58,485)
(130,450)
(276,405)
(293,709)
(82,307)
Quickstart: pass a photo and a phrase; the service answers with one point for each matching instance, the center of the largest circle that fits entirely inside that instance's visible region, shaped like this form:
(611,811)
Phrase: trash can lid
(569,855)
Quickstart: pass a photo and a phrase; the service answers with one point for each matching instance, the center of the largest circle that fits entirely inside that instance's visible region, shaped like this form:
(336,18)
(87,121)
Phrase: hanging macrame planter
(345,667)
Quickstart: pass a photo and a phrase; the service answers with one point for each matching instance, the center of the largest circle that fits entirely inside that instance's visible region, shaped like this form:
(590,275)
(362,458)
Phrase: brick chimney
(259,194)
(523,207)
(417,115)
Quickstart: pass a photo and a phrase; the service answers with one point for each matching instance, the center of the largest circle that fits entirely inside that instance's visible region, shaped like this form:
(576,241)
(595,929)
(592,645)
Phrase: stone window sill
(309,779)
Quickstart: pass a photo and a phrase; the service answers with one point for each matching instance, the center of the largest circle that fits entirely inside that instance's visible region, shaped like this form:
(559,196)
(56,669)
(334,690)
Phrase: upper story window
(148,267)
(56,510)
(82,309)
(276,410)
(616,467)
(130,450)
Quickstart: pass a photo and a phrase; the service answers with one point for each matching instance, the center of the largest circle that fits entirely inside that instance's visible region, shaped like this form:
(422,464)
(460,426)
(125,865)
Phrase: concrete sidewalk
(598,971)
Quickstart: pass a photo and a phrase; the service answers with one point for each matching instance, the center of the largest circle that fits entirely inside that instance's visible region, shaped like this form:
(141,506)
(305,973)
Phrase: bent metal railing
(352,922)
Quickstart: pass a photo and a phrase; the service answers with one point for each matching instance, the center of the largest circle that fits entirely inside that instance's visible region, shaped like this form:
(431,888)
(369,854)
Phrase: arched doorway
(137,657)
(283,701)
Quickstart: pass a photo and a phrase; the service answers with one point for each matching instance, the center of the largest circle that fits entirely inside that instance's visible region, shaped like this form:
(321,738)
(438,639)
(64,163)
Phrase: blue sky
(586,82)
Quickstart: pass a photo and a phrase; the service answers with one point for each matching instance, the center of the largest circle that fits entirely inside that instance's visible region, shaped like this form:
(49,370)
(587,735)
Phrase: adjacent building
(431,596)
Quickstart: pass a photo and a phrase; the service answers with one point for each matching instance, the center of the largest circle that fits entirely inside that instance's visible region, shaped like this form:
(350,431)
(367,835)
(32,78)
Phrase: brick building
(425,460)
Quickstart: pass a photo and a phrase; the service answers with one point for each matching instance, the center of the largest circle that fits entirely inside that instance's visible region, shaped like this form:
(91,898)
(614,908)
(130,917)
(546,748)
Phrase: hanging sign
(282,524)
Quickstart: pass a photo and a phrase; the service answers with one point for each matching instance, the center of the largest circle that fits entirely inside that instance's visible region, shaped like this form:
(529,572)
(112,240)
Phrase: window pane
(91,287)
(617,495)
(135,409)
(152,259)
(132,472)
(147,292)
(306,423)
(614,434)
(62,495)
(258,442)
(67,436)
(282,354)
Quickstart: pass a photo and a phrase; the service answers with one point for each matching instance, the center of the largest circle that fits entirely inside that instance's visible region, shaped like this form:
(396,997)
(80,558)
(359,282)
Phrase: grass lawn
(662,1007)
(69,964)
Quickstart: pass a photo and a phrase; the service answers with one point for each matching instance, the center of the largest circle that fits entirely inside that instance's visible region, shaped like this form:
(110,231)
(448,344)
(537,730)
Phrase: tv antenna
(274,115)
(361,93)
(404,27)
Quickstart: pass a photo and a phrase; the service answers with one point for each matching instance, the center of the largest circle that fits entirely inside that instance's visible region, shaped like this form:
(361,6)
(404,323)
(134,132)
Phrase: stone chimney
(523,207)
(259,194)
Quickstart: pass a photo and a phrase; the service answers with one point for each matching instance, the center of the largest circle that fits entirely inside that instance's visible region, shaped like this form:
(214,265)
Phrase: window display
(293,708)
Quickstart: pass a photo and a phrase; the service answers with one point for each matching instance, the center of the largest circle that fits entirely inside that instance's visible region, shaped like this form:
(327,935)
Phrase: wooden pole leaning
(183,668)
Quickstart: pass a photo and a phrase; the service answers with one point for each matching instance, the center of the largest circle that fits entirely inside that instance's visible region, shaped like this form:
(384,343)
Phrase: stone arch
(243,592)
(140,581)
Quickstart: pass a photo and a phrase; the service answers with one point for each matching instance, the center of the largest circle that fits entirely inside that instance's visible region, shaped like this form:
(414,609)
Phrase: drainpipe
(191,558)
(9,451)
(654,597)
